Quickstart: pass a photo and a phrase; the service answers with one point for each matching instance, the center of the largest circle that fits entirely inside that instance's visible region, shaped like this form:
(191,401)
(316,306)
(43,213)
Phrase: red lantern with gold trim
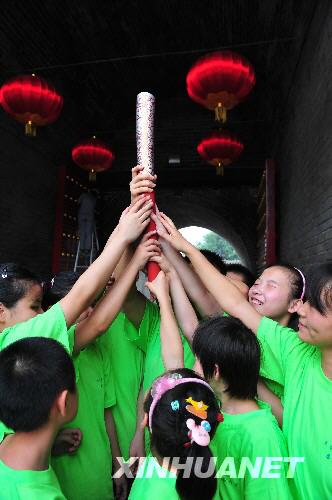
(219,81)
(220,149)
(93,155)
(31,100)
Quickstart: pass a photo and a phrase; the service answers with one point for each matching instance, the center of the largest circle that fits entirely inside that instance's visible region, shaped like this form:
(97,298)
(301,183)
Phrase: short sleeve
(50,324)
(281,350)
(149,323)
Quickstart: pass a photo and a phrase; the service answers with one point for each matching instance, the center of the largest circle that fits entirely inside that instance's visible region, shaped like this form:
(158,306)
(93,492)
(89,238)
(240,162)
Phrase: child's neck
(327,362)
(234,405)
(28,450)
(283,320)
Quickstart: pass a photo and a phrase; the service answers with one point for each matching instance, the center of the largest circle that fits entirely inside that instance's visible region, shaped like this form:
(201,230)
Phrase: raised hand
(135,219)
(159,287)
(156,219)
(141,182)
(163,263)
(147,249)
(172,235)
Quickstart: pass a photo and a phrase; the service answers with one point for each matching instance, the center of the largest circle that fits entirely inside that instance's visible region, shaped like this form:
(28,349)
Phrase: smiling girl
(301,362)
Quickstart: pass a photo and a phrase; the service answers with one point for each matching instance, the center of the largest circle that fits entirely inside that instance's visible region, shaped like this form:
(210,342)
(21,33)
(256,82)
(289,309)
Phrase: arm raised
(228,296)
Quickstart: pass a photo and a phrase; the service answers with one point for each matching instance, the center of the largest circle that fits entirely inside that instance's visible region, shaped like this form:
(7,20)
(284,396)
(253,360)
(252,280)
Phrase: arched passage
(205,239)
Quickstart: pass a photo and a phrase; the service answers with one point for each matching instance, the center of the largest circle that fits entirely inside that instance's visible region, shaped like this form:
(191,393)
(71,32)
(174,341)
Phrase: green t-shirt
(87,474)
(307,422)
(254,434)
(149,332)
(160,483)
(50,324)
(29,484)
(121,341)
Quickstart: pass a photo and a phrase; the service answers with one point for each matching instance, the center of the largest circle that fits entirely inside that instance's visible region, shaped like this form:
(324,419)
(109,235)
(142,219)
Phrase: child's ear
(216,372)
(3,314)
(61,403)
(295,305)
(144,422)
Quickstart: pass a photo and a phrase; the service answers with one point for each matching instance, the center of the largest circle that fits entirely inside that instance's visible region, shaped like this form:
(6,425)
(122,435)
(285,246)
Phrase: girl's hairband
(303,281)
(166,383)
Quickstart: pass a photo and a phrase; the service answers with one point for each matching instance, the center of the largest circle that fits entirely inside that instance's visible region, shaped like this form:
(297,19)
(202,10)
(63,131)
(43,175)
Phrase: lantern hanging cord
(159,54)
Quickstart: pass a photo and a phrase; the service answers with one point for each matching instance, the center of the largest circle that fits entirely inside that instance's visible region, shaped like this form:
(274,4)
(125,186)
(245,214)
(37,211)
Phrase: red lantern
(220,81)
(31,100)
(93,155)
(220,149)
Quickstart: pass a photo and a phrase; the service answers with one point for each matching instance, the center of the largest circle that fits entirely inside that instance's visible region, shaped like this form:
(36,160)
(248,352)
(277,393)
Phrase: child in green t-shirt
(229,355)
(37,397)
(182,415)
(21,314)
(87,473)
(300,362)
(145,316)
(277,293)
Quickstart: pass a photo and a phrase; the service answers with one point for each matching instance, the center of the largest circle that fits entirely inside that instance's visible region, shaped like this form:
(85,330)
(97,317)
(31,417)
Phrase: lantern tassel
(30,129)
(220,113)
(92,176)
(220,169)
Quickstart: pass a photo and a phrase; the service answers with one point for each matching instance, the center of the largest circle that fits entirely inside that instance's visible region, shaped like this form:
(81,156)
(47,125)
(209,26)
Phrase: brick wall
(304,151)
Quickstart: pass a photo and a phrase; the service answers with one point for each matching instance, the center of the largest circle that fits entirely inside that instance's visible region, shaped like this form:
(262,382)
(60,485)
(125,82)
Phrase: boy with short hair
(229,355)
(37,397)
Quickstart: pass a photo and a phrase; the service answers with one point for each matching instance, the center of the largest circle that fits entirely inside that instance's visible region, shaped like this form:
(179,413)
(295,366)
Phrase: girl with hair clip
(301,362)
(182,414)
(229,357)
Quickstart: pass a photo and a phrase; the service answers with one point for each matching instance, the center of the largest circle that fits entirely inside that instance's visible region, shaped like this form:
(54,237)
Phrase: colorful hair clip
(220,417)
(166,383)
(175,405)
(4,273)
(198,433)
(197,408)
(206,425)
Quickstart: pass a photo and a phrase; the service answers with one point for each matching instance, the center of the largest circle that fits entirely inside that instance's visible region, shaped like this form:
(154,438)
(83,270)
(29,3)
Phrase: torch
(145,155)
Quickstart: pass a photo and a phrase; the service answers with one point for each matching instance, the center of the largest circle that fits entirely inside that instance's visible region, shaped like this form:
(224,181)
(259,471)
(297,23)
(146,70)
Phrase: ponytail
(183,418)
(201,483)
